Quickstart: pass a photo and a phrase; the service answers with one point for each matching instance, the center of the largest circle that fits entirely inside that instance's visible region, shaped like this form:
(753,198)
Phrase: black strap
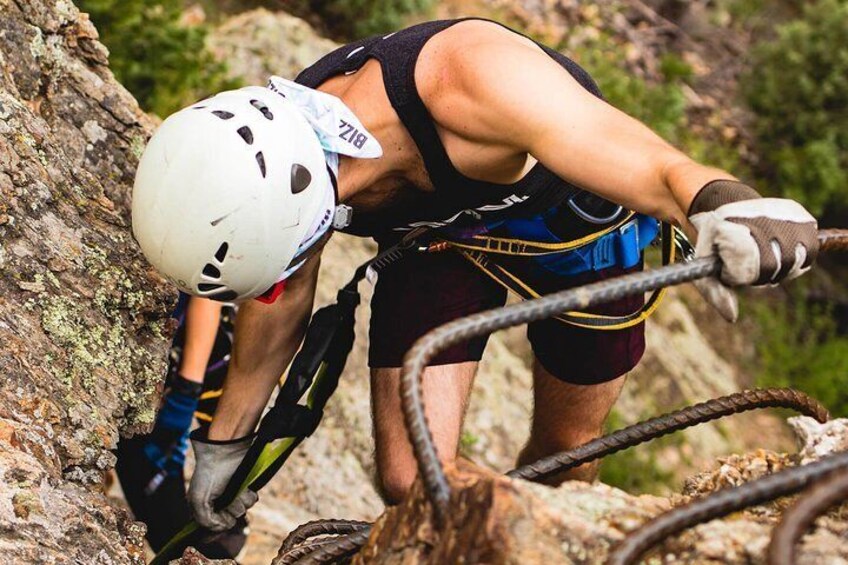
(326,347)
(327,344)
(399,77)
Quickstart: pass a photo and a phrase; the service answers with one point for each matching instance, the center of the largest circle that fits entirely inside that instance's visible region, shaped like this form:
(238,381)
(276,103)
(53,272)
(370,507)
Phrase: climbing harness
(620,244)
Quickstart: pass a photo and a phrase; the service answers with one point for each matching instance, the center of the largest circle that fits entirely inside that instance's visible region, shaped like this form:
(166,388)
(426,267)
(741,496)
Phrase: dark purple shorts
(423,291)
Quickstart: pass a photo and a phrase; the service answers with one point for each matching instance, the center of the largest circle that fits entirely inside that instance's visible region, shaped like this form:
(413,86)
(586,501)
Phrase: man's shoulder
(464,60)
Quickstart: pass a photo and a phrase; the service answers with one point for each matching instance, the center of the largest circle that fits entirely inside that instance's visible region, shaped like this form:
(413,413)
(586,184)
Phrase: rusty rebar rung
(813,502)
(321,528)
(340,548)
(672,422)
(298,552)
(721,504)
(416,360)
(833,240)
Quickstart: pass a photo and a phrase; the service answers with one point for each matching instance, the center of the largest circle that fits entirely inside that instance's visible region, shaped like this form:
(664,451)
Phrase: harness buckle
(620,247)
(629,246)
(603,252)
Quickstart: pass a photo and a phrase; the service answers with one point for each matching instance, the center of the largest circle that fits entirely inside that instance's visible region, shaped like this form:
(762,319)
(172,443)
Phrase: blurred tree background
(161,59)
(798,89)
(348,19)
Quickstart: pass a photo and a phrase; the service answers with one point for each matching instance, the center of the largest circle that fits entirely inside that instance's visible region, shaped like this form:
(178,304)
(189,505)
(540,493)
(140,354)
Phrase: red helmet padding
(270,296)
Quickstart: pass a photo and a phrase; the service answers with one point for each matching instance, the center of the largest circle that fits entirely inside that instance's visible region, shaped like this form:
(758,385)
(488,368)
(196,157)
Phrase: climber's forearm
(201,327)
(266,338)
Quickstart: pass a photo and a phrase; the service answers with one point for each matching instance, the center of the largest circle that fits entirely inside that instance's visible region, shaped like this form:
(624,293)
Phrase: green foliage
(755,15)
(715,154)
(355,19)
(163,63)
(635,470)
(798,87)
(467,443)
(799,346)
(674,68)
(662,107)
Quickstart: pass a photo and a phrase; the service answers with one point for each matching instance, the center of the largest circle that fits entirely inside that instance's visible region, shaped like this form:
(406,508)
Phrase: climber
(150,466)
(465,127)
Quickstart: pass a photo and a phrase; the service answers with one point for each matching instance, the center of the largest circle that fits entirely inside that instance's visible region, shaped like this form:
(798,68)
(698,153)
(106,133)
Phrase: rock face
(82,319)
(496,520)
(260,43)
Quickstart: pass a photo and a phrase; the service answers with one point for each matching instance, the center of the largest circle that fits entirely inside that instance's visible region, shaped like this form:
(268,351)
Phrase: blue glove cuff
(179,405)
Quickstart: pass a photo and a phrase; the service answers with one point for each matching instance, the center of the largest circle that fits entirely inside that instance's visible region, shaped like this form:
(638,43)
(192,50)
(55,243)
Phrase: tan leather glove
(761,241)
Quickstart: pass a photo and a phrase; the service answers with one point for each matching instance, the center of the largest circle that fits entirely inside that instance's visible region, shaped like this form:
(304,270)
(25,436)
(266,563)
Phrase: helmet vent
(221,254)
(260,159)
(212,271)
(259,105)
(198,107)
(246,134)
(206,287)
(300,178)
(225,296)
(223,115)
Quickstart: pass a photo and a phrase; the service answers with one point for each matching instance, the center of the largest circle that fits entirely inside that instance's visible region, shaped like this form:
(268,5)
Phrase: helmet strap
(343,215)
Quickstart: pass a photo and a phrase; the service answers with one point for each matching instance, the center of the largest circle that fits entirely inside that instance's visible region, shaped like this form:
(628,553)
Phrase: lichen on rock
(83,330)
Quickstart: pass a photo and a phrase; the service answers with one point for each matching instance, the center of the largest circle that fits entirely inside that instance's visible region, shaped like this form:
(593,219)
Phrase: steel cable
(800,517)
(721,504)
(669,423)
(483,323)
(322,528)
(341,548)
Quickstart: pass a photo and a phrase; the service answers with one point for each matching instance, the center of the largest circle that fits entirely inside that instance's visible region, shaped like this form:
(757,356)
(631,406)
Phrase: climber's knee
(395,483)
(566,416)
(445,391)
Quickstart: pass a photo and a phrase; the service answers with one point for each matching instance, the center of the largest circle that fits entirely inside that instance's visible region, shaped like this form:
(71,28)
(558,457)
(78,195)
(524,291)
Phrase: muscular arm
(506,92)
(266,338)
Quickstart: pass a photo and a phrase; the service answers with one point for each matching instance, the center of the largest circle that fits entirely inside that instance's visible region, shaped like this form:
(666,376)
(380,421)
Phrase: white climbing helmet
(229,193)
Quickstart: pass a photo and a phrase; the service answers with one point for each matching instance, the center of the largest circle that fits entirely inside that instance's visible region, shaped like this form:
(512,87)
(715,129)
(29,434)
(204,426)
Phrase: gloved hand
(760,240)
(215,464)
(165,447)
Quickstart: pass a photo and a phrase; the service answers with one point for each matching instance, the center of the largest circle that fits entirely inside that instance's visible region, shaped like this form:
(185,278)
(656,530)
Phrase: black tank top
(457,201)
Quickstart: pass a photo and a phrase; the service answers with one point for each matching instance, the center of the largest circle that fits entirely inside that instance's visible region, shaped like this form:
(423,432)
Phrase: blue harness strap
(617,244)
(621,246)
